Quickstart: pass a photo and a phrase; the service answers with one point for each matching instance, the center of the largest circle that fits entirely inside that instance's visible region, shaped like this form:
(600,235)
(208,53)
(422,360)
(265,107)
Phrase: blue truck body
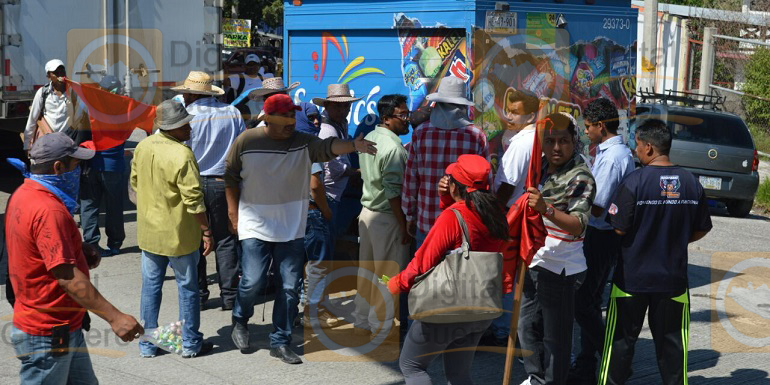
(568,52)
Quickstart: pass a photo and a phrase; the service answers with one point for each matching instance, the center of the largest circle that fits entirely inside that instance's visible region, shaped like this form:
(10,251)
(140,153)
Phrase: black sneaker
(206,348)
(285,354)
(240,336)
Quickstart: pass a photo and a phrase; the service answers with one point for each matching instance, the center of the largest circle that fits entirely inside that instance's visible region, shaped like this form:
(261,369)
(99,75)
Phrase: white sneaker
(526,382)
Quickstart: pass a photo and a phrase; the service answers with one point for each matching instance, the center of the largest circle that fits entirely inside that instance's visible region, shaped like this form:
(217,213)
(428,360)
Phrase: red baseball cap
(471,171)
(279,104)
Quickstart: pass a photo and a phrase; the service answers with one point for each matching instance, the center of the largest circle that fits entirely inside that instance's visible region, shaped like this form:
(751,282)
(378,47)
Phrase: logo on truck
(327,39)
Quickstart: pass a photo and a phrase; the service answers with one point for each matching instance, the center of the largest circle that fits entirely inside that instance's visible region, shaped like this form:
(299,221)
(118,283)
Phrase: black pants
(669,320)
(545,324)
(601,249)
(425,342)
(225,243)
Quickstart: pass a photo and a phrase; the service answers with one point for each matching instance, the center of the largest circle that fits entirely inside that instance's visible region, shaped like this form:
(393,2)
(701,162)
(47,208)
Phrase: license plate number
(711,183)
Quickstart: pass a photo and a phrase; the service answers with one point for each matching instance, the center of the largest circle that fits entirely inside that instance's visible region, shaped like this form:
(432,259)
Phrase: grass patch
(763,195)
(761,138)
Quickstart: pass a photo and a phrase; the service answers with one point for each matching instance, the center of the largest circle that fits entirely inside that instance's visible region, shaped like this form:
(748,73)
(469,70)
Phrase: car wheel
(739,208)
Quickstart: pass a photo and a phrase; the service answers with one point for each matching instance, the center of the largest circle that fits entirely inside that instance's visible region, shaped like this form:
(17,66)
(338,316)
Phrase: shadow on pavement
(738,376)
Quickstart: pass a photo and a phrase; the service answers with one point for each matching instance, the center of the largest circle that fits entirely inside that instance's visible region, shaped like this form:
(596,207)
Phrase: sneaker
(206,348)
(526,382)
(285,354)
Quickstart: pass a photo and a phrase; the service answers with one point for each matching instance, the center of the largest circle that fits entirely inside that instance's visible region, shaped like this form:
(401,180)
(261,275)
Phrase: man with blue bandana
(50,269)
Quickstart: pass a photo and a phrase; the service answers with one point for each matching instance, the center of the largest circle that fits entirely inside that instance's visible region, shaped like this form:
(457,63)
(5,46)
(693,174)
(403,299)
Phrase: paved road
(118,278)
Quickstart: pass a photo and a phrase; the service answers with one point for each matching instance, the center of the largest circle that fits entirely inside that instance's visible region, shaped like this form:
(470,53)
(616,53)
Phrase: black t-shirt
(659,208)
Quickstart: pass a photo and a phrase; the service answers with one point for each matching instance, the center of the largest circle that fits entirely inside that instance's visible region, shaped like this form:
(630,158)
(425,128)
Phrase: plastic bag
(168,338)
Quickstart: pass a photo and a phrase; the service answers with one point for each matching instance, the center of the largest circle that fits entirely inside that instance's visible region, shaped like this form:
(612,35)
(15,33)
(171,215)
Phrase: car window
(709,128)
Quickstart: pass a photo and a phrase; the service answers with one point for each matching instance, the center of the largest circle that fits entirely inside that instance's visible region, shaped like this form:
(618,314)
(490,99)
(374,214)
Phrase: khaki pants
(381,252)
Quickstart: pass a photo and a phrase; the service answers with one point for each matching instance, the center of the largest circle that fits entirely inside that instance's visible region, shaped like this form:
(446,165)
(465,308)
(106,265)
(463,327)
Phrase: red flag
(113,117)
(526,226)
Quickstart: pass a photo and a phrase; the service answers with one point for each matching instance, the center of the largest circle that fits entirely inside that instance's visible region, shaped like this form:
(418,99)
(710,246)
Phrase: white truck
(149,45)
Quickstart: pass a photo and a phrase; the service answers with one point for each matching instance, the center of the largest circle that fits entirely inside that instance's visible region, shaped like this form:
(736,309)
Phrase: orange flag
(113,117)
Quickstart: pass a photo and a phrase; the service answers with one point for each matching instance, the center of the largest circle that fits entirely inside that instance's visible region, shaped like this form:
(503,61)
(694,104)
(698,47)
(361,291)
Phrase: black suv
(714,145)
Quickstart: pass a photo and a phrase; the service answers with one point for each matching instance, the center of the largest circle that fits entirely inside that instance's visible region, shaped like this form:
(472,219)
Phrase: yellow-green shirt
(166,179)
(383,174)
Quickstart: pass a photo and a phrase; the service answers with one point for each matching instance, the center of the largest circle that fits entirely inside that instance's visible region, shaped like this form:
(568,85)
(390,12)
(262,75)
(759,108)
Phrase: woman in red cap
(467,192)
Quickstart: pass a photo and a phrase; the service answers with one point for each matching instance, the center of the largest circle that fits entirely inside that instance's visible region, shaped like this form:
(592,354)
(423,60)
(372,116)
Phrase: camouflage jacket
(570,189)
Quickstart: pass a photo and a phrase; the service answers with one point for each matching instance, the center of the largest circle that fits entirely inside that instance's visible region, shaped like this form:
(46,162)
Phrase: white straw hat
(336,93)
(201,83)
(450,90)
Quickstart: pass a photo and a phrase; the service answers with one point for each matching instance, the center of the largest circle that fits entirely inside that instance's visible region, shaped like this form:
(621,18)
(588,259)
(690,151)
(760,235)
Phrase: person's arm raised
(341,147)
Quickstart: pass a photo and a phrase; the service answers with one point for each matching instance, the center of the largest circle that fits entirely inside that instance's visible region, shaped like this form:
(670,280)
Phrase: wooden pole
(510,352)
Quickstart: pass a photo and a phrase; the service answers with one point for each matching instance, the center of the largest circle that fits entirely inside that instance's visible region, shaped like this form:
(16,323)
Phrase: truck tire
(739,208)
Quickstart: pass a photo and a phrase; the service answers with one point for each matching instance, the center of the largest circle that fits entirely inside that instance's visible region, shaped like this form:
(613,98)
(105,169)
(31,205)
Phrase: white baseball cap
(252,58)
(52,65)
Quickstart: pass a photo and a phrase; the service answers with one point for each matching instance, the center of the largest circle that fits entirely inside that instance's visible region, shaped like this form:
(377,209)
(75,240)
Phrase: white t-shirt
(514,166)
(250,83)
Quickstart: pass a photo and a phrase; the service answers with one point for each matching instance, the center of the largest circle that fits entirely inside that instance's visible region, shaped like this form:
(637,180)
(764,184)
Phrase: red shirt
(432,149)
(444,237)
(41,234)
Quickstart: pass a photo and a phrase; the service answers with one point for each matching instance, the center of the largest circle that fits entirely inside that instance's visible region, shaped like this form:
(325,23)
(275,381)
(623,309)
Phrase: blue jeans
(255,262)
(501,326)
(39,366)
(420,238)
(318,248)
(186,273)
(112,186)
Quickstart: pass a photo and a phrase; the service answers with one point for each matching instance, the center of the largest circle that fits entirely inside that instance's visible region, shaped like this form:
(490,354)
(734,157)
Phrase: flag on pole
(113,117)
(526,226)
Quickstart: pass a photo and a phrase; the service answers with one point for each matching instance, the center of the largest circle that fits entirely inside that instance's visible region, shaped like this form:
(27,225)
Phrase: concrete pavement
(118,278)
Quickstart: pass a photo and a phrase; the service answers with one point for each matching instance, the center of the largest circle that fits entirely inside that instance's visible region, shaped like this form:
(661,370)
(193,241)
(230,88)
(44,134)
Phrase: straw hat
(270,86)
(336,93)
(451,90)
(201,83)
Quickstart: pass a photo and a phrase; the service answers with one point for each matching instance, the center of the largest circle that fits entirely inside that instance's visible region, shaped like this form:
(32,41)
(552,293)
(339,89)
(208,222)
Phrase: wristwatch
(549,210)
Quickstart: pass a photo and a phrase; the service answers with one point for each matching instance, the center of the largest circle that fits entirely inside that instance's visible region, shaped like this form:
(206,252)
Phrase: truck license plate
(711,183)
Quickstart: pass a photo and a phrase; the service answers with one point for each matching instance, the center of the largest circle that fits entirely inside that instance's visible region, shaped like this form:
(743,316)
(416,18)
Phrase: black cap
(56,146)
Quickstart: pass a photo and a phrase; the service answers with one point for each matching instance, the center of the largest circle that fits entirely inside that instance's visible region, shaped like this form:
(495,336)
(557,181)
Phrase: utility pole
(707,61)
(649,45)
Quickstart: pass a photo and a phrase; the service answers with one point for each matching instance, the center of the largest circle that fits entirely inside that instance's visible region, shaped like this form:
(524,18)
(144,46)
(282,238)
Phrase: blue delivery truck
(568,52)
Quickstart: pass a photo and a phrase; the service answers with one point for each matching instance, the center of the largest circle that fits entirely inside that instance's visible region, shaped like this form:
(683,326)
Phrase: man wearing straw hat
(435,144)
(267,179)
(214,129)
(171,220)
(270,87)
(334,124)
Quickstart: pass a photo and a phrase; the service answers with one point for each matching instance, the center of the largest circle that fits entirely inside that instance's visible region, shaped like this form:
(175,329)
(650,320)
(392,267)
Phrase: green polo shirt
(383,174)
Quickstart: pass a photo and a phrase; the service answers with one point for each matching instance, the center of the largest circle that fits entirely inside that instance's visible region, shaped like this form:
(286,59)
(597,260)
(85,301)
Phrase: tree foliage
(757,88)
(268,11)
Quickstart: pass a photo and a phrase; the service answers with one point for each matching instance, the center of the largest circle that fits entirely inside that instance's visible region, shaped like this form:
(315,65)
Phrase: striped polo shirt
(274,181)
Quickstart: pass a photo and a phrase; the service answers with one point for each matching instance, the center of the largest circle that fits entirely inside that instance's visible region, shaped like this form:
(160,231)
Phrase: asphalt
(714,355)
